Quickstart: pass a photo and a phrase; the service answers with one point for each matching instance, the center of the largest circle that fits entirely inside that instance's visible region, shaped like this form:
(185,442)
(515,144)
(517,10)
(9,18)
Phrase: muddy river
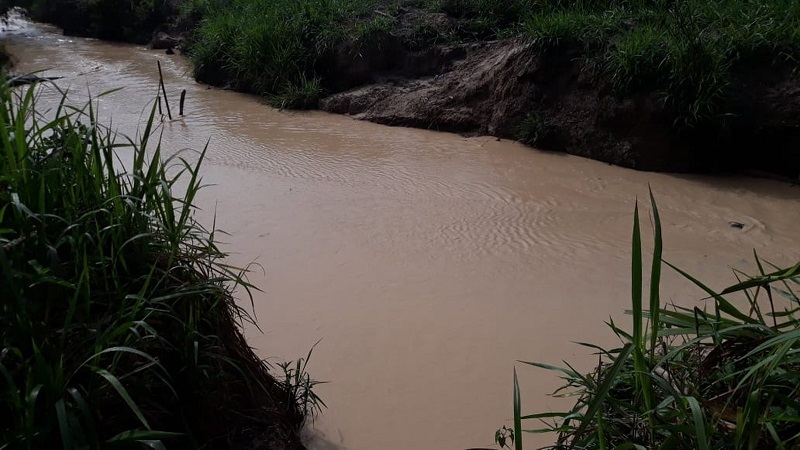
(425,262)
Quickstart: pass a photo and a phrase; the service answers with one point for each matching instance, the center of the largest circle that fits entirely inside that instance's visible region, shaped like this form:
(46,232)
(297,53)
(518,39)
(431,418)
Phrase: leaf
(636,279)
(549,415)
(568,372)
(517,414)
(123,393)
(63,425)
(724,305)
(655,279)
(699,423)
(779,275)
(596,401)
(142,435)
(85,410)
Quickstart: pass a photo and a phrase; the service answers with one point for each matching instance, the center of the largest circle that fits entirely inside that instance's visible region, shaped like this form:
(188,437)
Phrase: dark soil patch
(490,88)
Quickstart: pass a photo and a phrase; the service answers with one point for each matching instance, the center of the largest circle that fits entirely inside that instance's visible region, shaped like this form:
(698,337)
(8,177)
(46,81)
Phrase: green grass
(713,377)
(270,47)
(532,130)
(684,51)
(303,94)
(120,329)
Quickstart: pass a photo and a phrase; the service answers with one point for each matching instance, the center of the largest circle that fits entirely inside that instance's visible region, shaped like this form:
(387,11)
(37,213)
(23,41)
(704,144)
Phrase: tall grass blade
(698,419)
(655,280)
(517,414)
(636,280)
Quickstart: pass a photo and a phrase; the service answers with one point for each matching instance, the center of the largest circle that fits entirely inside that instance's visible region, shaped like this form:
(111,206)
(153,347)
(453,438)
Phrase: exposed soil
(489,88)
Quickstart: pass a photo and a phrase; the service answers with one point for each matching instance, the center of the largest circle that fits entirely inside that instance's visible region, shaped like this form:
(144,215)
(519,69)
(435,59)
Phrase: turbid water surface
(425,262)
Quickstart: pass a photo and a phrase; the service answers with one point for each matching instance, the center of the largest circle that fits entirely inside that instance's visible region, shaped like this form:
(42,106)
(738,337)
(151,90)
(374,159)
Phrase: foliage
(303,95)
(273,48)
(711,378)
(532,130)
(270,47)
(685,51)
(119,323)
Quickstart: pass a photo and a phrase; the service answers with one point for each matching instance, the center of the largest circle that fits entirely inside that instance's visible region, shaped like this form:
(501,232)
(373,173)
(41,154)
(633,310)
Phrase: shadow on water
(760,184)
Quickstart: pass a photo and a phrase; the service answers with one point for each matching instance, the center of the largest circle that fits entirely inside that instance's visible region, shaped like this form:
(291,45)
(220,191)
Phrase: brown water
(425,262)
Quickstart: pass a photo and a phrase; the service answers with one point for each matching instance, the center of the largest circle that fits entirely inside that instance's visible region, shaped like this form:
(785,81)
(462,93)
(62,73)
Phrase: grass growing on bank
(685,51)
(119,327)
(275,48)
(718,377)
(269,47)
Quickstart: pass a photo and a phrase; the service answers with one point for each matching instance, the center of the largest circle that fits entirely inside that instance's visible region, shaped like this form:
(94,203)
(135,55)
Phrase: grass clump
(120,328)
(270,47)
(273,48)
(702,378)
(303,95)
(483,19)
(532,130)
(685,51)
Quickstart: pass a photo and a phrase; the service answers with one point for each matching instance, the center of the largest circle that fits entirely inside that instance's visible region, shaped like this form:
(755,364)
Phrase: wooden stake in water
(158,101)
(163,89)
(183,98)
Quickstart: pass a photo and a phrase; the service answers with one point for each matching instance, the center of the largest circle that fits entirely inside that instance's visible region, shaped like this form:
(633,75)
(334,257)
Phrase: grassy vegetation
(686,51)
(718,377)
(683,51)
(274,47)
(119,327)
(270,47)
(532,130)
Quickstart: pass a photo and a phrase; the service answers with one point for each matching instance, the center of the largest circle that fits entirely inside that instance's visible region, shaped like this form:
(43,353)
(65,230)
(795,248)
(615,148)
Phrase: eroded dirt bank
(491,88)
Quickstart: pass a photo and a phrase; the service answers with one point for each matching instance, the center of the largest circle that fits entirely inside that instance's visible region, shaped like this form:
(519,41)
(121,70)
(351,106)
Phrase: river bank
(673,86)
(120,323)
(426,262)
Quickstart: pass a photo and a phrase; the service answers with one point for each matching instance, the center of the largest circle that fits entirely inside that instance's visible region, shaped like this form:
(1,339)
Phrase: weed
(303,95)
(299,386)
(532,130)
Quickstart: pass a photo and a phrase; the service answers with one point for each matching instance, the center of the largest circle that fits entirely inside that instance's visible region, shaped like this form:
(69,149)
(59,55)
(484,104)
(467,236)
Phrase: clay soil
(490,88)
